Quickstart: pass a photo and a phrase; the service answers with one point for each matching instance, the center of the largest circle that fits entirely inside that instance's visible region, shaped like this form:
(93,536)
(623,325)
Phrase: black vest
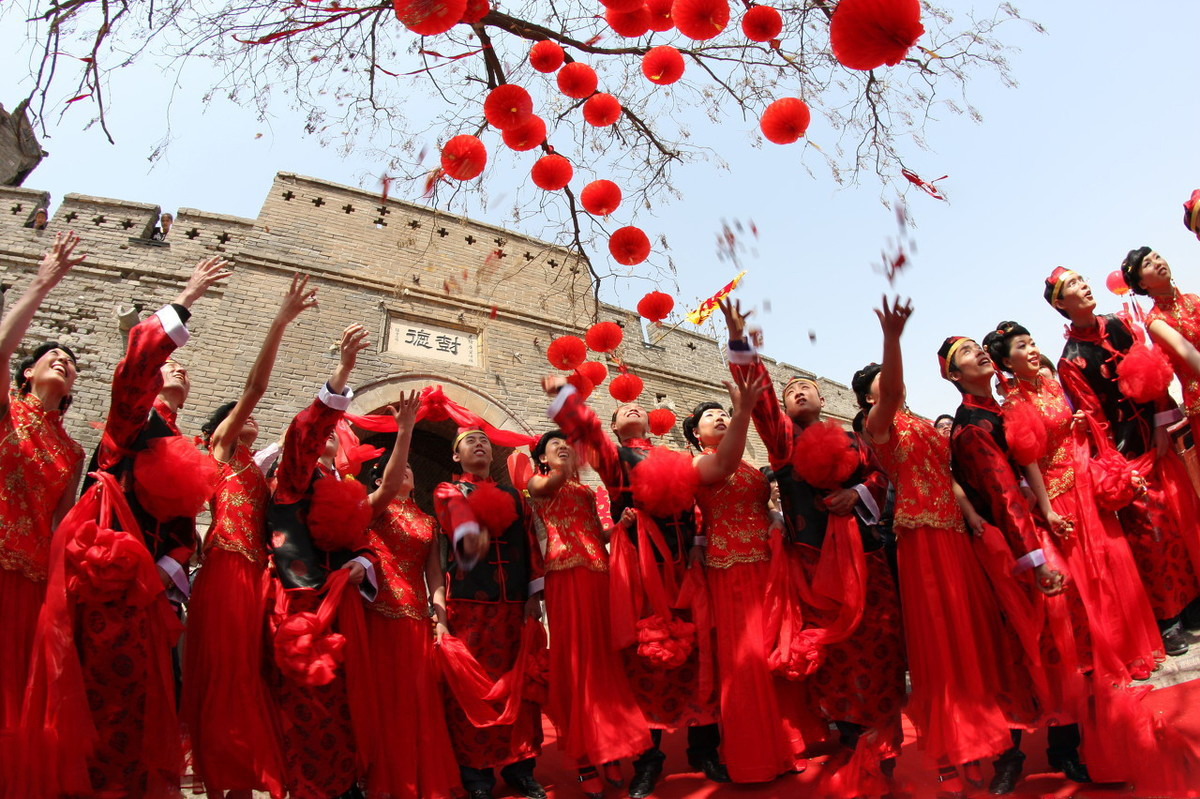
(503,575)
(678,531)
(298,562)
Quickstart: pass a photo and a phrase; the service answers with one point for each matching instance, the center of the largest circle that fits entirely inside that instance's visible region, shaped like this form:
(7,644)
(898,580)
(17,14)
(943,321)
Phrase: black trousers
(1061,740)
(703,741)
(474,779)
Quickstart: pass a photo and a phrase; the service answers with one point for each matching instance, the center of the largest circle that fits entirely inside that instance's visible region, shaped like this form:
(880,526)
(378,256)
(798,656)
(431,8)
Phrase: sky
(1090,156)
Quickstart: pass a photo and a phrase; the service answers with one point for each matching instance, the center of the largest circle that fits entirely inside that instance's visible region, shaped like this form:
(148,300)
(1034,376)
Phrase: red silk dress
(226,708)
(952,623)
(591,701)
(419,761)
(1182,312)
(765,720)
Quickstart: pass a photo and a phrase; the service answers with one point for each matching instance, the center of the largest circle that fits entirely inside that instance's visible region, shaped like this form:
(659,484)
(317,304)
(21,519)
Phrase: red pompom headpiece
(785,120)
(429,17)
(494,508)
(172,479)
(600,197)
(655,306)
(507,106)
(566,352)
(604,336)
(552,172)
(546,56)
(464,157)
(338,515)
(625,388)
(1025,432)
(866,34)
(601,110)
(762,24)
(662,65)
(665,482)
(824,456)
(527,135)
(577,80)
(629,245)
(661,420)
(700,19)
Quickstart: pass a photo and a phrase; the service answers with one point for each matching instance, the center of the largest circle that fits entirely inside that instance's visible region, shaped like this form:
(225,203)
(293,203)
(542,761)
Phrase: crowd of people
(1024,563)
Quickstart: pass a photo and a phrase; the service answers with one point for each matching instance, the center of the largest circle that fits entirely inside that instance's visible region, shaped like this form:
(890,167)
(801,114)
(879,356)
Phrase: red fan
(546,56)
(655,306)
(604,336)
(552,172)
(867,34)
(464,157)
(577,80)
(494,508)
(662,65)
(171,478)
(629,245)
(429,17)
(664,484)
(762,24)
(526,136)
(600,197)
(785,120)
(582,384)
(630,24)
(508,106)
(601,110)
(700,19)
(594,371)
(660,15)
(566,352)
(625,388)
(661,421)
(338,515)
(476,10)
(823,455)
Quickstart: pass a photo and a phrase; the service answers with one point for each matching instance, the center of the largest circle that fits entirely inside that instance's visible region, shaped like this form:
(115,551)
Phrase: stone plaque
(416,338)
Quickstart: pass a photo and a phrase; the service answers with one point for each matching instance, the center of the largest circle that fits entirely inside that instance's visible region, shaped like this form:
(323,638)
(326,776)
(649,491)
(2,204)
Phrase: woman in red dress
(591,701)
(225,705)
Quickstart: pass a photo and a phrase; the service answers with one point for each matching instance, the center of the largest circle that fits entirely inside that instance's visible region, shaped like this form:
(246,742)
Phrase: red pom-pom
(1025,432)
(662,65)
(102,563)
(582,384)
(762,24)
(1143,374)
(661,421)
(660,15)
(552,172)
(577,80)
(464,157)
(867,34)
(630,24)
(172,478)
(625,388)
(604,336)
(306,652)
(546,56)
(429,17)
(629,245)
(665,482)
(601,110)
(600,197)
(785,120)
(338,515)
(566,353)
(507,106)
(476,10)
(666,644)
(823,456)
(494,509)
(594,371)
(655,306)
(527,135)
(700,19)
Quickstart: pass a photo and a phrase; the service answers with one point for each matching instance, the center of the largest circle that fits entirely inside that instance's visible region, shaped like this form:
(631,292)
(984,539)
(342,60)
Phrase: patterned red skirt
(21,599)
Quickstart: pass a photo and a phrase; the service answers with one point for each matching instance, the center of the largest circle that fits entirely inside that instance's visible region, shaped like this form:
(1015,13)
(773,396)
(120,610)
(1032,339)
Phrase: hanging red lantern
(429,17)
(1116,283)
(552,172)
(785,120)
(600,197)
(527,135)
(577,80)
(629,245)
(700,19)
(464,157)
(662,65)
(604,336)
(601,110)
(594,371)
(661,421)
(507,106)
(762,24)
(655,306)
(625,388)
(622,5)
(582,385)
(476,10)
(660,15)
(630,24)
(566,352)
(867,34)
(546,56)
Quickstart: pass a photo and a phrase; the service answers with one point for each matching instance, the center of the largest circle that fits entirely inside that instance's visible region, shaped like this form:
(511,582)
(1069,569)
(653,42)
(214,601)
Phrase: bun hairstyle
(861,385)
(32,358)
(539,449)
(1131,269)
(692,422)
(999,341)
(214,420)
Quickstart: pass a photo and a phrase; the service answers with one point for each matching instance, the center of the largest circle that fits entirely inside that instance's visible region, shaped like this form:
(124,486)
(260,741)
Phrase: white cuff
(560,401)
(339,402)
(700,541)
(173,325)
(870,508)
(1164,418)
(742,356)
(460,532)
(265,458)
(370,585)
(182,588)
(537,585)
(1029,561)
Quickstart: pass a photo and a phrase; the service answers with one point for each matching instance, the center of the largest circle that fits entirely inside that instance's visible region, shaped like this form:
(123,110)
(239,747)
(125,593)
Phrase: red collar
(467,477)
(985,403)
(637,443)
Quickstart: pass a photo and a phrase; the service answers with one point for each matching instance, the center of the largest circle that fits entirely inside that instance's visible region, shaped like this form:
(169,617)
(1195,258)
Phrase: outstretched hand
(207,274)
(58,260)
(893,319)
(552,384)
(405,410)
(354,341)
(745,390)
(735,318)
(298,299)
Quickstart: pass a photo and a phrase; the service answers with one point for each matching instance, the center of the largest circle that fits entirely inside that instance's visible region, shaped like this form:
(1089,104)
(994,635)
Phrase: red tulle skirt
(590,700)
(226,707)
(418,761)
(953,630)
(20,602)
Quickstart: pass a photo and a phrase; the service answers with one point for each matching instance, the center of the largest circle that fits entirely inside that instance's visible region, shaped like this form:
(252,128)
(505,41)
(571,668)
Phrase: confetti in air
(895,254)
(733,243)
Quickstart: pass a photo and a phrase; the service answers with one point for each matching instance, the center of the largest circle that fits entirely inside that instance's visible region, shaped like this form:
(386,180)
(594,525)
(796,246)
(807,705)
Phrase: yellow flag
(701,314)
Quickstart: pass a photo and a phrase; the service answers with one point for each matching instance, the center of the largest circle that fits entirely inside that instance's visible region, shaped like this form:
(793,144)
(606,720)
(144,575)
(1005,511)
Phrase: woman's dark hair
(1131,269)
(999,341)
(861,384)
(373,469)
(214,420)
(692,422)
(938,420)
(539,449)
(32,358)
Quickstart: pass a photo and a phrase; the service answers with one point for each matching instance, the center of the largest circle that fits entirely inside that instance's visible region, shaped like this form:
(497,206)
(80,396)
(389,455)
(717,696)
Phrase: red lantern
(594,371)
(662,65)
(1116,283)
(867,34)
(630,24)
(762,24)
(625,388)
(527,135)
(785,120)
(600,197)
(661,421)
(566,352)
(604,336)
(429,17)
(582,385)
(629,245)
(577,80)
(660,15)
(655,306)
(552,172)
(601,110)
(464,157)
(622,5)
(476,10)
(507,106)
(700,19)
(546,56)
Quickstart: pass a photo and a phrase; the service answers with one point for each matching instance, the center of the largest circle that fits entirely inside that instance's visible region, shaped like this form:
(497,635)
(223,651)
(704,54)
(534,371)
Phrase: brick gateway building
(387,265)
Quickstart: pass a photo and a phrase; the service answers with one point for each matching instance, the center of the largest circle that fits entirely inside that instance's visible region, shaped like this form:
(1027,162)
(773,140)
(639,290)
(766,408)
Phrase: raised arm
(891,373)
(405,412)
(770,421)
(719,465)
(583,430)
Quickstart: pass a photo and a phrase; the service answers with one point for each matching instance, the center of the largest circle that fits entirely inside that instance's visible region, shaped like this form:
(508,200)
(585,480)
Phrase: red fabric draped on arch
(437,407)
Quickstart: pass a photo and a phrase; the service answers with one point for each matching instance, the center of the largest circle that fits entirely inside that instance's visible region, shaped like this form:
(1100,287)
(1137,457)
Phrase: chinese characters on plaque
(414,338)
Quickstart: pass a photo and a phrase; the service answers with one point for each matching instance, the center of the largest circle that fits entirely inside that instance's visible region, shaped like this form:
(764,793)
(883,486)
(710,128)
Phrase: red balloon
(582,384)
(867,34)
(660,15)
(476,10)
(577,80)
(661,421)
(629,245)
(604,336)
(546,56)
(785,120)
(625,388)
(594,371)
(464,157)
(566,352)
(507,106)
(601,110)
(600,197)
(762,24)
(662,65)
(1116,283)
(552,172)
(630,24)
(700,19)
(655,306)
(526,136)
(429,17)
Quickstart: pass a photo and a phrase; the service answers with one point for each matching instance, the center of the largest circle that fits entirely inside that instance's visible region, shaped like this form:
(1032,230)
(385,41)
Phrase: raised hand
(58,260)
(354,341)
(893,319)
(745,391)
(735,319)
(298,299)
(551,384)
(207,274)
(405,410)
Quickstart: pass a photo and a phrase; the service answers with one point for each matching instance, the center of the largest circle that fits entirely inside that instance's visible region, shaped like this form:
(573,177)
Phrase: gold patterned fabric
(736,520)
(240,508)
(1046,396)
(574,536)
(401,538)
(917,458)
(1182,312)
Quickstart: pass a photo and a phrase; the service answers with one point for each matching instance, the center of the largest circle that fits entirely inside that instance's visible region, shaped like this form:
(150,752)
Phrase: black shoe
(1008,773)
(1070,766)
(480,793)
(713,768)
(527,786)
(1174,642)
(644,780)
